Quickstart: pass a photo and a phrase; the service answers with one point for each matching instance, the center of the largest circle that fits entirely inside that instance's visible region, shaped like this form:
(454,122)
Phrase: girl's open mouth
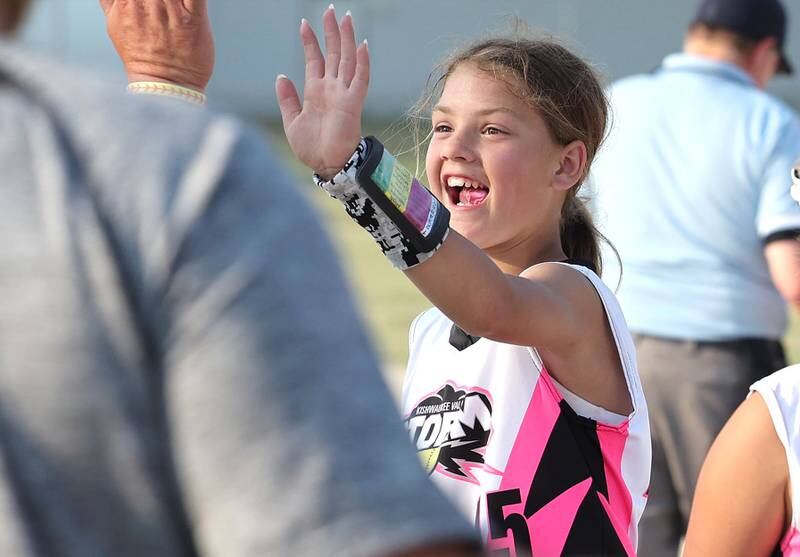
(464,192)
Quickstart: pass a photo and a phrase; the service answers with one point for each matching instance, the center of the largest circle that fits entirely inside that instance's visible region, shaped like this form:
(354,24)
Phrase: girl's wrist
(328,173)
(351,165)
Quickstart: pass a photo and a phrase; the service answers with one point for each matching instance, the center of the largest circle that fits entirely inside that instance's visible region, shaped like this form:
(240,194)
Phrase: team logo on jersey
(451,429)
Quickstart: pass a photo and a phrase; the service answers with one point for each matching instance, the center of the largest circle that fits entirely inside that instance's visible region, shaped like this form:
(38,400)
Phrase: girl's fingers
(315,63)
(333,42)
(288,100)
(347,65)
(361,78)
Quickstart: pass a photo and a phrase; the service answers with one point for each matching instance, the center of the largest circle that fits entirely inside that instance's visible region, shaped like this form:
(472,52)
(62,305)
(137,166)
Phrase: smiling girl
(522,395)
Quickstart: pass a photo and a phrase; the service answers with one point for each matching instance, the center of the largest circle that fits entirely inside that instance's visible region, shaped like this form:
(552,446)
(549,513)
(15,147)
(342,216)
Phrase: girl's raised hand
(324,130)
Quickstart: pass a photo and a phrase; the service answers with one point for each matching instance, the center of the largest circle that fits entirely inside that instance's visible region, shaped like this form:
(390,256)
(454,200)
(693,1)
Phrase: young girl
(522,395)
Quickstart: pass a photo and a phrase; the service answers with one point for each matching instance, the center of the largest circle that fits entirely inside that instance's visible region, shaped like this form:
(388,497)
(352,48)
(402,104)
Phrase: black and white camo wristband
(383,197)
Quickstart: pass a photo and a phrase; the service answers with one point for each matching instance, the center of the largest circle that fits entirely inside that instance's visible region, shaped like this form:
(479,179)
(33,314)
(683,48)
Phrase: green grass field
(386,299)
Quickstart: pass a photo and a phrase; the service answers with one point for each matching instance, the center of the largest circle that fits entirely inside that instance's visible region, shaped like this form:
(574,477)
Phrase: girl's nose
(458,147)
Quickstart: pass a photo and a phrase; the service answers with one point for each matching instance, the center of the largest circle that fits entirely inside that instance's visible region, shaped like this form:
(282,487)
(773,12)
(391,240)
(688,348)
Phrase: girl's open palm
(324,130)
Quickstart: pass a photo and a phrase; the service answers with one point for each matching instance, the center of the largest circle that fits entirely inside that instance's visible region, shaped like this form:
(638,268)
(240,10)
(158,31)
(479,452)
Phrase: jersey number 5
(500,524)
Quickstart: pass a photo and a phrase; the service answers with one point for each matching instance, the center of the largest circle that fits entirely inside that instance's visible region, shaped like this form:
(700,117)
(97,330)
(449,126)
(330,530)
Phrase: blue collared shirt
(693,180)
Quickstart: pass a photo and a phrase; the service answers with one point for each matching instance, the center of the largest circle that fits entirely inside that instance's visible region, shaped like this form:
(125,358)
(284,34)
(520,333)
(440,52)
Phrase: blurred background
(257,39)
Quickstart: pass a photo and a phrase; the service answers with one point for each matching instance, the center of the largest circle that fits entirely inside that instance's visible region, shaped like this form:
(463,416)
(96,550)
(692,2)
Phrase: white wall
(257,39)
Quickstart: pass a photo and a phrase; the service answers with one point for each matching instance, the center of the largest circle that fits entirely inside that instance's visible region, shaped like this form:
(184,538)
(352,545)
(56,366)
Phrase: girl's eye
(491,130)
(442,128)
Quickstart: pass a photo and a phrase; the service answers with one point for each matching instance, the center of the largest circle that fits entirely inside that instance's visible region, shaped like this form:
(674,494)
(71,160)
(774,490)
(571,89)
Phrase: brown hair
(11,14)
(567,94)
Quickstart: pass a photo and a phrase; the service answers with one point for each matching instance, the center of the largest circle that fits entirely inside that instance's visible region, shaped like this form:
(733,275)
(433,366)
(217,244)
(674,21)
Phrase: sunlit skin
(483,132)
(750,519)
(162,40)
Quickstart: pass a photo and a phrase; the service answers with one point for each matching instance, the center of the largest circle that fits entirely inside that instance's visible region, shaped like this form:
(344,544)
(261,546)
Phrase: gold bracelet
(167,90)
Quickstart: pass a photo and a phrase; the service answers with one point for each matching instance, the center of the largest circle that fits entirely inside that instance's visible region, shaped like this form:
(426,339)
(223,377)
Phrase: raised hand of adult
(162,40)
(324,130)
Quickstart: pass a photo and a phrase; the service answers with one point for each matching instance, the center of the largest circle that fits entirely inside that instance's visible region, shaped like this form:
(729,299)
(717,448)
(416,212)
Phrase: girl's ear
(571,165)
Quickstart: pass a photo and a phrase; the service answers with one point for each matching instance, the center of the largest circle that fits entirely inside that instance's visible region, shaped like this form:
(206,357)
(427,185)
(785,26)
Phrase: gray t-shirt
(182,371)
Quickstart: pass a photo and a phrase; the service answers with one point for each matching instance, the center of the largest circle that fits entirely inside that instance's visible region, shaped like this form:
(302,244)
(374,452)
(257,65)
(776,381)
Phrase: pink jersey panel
(619,504)
(547,530)
(790,544)
(533,435)
(523,462)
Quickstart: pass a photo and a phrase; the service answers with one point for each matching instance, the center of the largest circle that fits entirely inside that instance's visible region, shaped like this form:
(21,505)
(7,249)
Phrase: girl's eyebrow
(483,112)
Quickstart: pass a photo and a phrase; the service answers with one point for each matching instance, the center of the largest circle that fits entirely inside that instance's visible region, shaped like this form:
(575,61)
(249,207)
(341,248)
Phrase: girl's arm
(549,307)
(739,505)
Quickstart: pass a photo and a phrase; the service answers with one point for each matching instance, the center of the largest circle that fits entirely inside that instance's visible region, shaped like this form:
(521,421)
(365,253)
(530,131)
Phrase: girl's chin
(471,232)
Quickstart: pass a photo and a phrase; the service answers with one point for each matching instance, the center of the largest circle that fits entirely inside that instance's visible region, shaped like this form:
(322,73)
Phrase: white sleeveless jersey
(781,392)
(538,469)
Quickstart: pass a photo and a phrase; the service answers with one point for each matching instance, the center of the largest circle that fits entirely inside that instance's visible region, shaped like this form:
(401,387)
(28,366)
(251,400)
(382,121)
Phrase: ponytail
(580,239)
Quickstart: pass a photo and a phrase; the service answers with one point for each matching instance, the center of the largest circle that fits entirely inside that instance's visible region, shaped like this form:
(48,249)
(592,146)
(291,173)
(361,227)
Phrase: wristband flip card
(414,209)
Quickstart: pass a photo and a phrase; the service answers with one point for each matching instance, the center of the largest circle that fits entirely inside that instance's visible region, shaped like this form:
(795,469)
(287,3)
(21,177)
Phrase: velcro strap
(383,197)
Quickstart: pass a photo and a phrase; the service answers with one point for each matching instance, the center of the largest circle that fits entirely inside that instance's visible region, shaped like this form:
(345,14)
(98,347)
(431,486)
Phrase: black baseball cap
(752,19)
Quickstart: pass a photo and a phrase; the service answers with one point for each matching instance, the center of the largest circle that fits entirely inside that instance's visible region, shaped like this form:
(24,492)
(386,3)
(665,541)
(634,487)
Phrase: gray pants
(692,388)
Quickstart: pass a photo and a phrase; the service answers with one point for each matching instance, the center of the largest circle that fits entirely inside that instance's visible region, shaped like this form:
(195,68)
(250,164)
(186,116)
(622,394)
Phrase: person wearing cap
(692,189)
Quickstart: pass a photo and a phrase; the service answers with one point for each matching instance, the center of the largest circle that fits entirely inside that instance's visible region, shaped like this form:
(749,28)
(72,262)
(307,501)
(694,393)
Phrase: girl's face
(492,162)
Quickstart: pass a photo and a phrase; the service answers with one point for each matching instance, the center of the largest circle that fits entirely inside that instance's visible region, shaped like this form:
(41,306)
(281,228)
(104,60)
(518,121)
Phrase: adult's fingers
(347,65)
(175,9)
(333,42)
(315,63)
(288,100)
(161,10)
(196,7)
(361,79)
(187,11)
(106,5)
(158,10)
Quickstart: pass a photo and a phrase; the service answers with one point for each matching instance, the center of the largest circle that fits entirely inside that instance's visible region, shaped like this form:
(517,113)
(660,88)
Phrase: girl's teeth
(461,183)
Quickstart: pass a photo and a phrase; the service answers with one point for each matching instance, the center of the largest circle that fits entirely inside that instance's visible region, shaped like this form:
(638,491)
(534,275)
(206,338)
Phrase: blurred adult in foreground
(692,191)
(182,372)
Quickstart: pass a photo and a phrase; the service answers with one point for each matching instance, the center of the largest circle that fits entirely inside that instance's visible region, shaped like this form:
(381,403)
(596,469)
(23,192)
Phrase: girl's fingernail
(331,7)
(281,76)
